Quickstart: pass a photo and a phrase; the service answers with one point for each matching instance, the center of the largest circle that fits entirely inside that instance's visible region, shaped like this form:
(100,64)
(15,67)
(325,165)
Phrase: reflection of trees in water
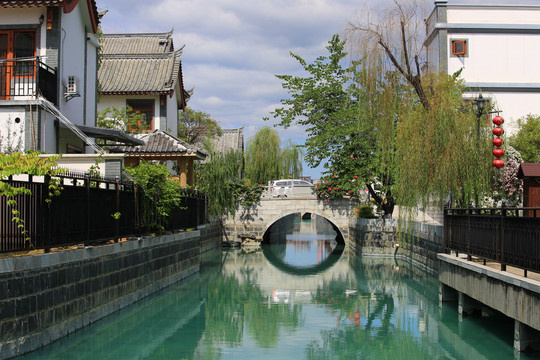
(350,343)
(232,306)
(366,315)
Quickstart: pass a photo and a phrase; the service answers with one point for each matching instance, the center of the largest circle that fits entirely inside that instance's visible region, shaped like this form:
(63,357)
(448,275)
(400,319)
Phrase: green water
(301,298)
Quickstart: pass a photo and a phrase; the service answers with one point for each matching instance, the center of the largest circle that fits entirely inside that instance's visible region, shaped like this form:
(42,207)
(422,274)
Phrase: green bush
(365,211)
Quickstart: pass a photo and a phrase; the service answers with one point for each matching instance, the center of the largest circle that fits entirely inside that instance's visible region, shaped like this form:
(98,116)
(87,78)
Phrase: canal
(301,296)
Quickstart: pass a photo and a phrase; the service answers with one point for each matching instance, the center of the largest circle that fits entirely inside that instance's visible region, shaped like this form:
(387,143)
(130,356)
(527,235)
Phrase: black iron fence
(21,79)
(88,210)
(509,236)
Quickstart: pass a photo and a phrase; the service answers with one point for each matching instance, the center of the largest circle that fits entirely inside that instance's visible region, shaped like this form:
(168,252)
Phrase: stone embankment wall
(417,241)
(45,297)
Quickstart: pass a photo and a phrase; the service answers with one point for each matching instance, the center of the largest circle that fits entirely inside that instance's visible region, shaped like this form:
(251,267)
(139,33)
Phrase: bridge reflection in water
(268,304)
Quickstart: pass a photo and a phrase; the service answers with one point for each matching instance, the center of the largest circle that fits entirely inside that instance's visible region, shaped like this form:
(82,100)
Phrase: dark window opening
(459,47)
(146,109)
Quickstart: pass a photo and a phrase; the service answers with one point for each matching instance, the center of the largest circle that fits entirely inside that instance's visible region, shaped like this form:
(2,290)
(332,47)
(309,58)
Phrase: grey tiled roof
(139,64)
(160,143)
(231,139)
(158,43)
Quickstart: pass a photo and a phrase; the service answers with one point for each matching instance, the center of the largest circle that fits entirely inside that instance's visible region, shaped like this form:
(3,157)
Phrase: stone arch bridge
(255,221)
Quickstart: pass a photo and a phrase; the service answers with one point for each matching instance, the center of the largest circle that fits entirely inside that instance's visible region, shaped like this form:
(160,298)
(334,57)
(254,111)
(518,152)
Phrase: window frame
(144,106)
(465,45)
(11,50)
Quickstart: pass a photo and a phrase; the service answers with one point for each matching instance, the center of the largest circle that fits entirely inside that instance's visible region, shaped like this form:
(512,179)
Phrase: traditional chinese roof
(232,139)
(529,170)
(137,64)
(160,144)
(158,43)
(68,6)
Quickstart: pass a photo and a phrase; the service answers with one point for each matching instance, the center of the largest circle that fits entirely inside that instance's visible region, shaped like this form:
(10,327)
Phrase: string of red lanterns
(497,141)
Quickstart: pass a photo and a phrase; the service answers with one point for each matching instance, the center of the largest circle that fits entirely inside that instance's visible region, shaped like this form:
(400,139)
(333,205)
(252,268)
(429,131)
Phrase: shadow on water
(303,244)
(143,330)
(269,252)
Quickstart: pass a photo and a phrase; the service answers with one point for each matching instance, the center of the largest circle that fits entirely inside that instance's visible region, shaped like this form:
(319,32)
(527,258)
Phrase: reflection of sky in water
(308,252)
(309,243)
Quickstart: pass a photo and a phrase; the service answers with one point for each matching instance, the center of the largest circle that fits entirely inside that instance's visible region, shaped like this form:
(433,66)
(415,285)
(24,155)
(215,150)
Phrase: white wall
(172,115)
(71,63)
(21,16)
(507,15)
(497,58)
(513,105)
(10,129)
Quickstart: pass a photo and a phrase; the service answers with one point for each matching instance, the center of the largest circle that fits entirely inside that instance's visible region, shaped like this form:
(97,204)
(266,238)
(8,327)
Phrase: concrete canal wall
(48,296)
(419,242)
(474,285)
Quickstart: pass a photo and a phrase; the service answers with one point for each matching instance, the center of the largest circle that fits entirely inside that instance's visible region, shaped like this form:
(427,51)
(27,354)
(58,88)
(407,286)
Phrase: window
(20,45)
(145,108)
(459,47)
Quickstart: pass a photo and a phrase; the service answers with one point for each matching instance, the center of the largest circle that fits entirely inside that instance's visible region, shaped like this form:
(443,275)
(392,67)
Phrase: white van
(290,188)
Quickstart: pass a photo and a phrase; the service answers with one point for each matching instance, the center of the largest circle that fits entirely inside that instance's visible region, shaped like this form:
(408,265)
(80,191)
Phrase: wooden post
(190,171)
(182,171)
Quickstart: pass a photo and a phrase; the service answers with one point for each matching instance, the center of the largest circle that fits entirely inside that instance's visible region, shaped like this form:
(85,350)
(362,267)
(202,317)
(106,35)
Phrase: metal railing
(88,210)
(507,235)
(22,79)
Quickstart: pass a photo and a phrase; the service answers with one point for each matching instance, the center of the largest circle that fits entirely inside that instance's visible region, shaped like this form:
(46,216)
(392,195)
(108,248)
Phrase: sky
(234,49)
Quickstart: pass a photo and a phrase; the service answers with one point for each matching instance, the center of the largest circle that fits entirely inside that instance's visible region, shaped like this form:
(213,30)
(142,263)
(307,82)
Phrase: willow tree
(218,178)
(442,153)
(441,150)
(348,111)
(266,160)
(291,160)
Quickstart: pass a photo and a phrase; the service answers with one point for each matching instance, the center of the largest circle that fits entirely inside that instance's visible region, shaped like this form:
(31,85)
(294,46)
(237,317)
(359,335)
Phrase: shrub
(365,211)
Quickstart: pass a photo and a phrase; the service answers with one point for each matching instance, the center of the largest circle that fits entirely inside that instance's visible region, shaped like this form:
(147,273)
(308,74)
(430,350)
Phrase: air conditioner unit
(71,89)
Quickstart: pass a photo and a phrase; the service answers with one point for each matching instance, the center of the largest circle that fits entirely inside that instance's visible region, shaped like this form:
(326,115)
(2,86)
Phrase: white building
(144,72)
(496,43)
(47,51)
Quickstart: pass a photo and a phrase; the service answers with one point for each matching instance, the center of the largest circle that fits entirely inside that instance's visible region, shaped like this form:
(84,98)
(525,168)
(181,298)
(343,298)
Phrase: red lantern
(498,142)
(498,163)
(498,153)
(497,120)
(498,131)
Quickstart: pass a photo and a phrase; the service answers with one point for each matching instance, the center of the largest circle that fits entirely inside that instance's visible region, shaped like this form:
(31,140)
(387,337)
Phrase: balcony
(24,79)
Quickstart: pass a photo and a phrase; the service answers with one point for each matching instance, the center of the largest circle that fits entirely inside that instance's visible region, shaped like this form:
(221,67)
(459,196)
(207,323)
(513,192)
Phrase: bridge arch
(340,232)
(255,220)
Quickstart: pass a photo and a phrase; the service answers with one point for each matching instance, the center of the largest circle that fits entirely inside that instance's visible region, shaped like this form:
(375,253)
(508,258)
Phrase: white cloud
(234,49)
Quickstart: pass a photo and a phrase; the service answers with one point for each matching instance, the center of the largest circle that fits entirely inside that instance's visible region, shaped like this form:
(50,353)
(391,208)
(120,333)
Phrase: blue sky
(234,49)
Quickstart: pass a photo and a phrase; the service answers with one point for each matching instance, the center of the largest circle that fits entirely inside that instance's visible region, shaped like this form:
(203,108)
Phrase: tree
(266,160)
(160,194)
(263,152)
(398,33)
(219,178)
(123,119)
(31,164)
(196,127)
(527,139)
(348,113)
(441,150)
